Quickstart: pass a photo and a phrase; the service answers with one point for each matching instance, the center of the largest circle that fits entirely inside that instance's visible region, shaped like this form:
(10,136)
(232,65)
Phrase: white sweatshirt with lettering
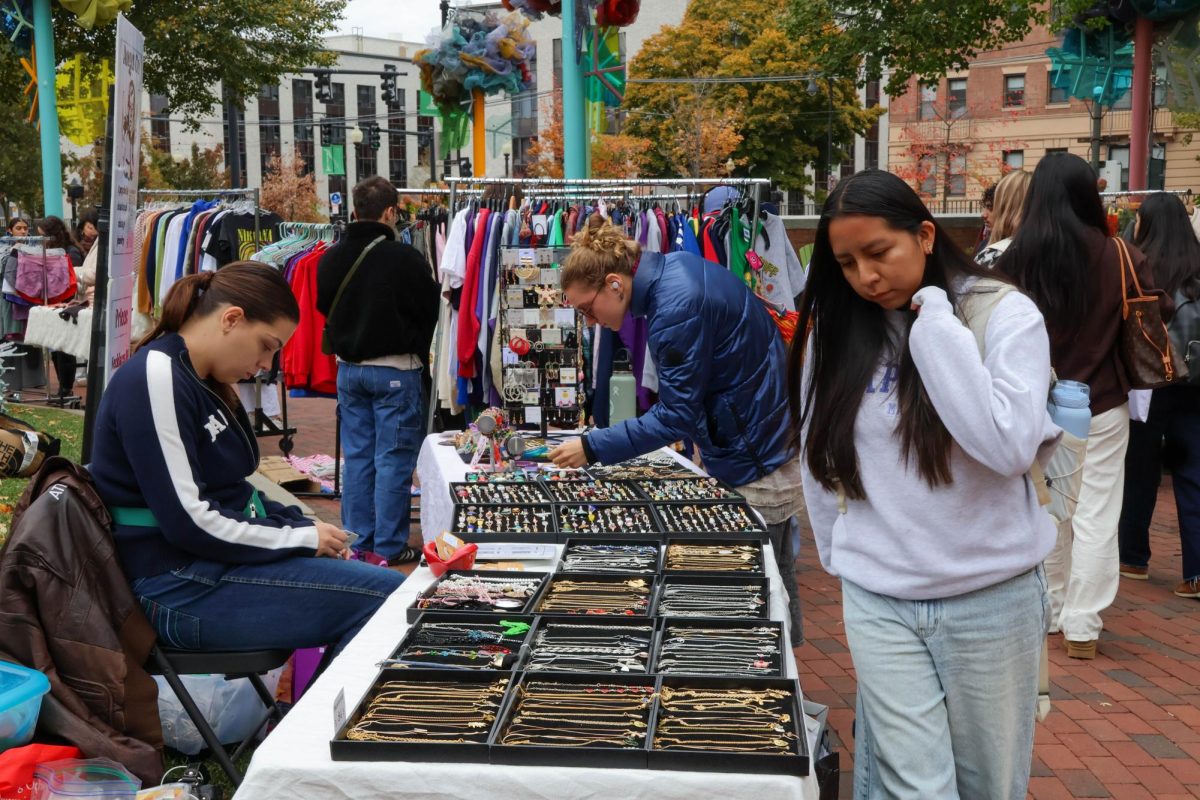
(913,542)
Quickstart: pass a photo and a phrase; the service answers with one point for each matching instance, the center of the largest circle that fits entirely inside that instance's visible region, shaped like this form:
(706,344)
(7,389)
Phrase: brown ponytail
(259,290)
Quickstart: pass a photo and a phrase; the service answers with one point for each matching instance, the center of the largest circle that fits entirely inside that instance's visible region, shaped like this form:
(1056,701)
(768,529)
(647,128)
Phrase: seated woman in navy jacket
(215,566)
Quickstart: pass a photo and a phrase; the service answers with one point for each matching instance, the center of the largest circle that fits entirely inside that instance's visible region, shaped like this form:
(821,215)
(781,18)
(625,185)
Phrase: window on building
(302,123)
(335,112)
(270,143)
(1014,91)
(956,177)
(928,101)
(1014,160)
(929,170)
(956,97)
(1050,150)
(366,162)
(424,143)
(1125,101)
(872,143)
(397,142)
(160,123)
(241,139)
(525,117)
(1054,94)
(556,63)
(1120,153)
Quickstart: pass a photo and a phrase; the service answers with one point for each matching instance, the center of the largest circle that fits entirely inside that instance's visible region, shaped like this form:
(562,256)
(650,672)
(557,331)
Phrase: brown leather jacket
(66,609)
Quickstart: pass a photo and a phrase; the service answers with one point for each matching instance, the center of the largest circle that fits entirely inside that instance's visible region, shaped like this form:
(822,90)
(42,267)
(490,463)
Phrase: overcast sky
(411,19)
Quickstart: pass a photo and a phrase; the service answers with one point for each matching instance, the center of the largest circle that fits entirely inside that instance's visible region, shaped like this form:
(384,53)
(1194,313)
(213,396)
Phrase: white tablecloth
(439,465)
(294,762)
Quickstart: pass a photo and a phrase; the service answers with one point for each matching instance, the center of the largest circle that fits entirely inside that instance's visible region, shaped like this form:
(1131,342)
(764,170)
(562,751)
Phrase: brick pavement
(1126,725)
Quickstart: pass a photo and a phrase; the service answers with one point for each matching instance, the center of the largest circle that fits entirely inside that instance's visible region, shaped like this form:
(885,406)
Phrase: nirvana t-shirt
(231,238)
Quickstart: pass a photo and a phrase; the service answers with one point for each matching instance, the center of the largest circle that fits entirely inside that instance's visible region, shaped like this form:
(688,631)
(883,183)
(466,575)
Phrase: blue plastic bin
(21,691)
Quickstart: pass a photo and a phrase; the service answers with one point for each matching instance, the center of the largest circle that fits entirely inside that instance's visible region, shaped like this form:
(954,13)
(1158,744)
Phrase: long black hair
(1050,255)
(850,336)
(1165,236)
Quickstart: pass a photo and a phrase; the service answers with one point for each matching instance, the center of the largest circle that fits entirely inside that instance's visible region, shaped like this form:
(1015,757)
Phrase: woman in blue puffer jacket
(722,370)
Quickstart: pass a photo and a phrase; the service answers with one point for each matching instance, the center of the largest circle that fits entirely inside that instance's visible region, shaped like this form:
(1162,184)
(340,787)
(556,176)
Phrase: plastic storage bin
(76,779)
(21,691)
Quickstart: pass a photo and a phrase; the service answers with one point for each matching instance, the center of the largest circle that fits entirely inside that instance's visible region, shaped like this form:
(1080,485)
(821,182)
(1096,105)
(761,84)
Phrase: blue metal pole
(43,39)
(575,141)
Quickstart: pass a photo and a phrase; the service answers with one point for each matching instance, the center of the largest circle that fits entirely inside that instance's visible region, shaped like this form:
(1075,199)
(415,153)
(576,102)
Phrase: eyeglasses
(586,308)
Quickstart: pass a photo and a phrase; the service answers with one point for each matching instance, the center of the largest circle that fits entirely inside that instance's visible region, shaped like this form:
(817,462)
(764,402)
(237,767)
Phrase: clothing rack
(35,240)
(200,194)
(1145,192)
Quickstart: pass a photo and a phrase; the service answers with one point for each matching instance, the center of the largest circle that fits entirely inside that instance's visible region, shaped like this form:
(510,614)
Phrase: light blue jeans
(947,690)
(383,423)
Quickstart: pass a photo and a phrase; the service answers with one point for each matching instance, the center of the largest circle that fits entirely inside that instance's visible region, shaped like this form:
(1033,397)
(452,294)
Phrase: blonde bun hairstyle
(597,250)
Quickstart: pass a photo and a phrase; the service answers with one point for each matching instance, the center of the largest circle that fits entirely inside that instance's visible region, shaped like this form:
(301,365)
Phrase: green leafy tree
(20,179)
(781,126)
(191,46)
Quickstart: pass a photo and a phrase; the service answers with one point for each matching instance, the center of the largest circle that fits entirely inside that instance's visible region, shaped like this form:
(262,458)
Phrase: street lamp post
(74,192)
(506,148)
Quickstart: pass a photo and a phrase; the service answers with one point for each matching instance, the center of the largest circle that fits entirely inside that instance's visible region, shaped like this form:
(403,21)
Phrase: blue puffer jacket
(721,372)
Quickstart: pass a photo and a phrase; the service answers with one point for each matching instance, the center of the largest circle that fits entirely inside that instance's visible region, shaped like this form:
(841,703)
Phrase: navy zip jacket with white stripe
(166,442)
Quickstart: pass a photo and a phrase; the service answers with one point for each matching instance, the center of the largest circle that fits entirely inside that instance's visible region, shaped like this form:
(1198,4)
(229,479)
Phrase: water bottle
(622,392)
(1070,407)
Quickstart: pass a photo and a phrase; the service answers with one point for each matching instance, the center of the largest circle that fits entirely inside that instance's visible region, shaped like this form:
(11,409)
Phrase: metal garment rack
(1139,192)
(48,399)
(585,186)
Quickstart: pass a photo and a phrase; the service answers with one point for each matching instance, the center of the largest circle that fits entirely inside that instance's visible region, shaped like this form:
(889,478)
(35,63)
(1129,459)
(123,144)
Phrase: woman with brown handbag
(1063,257)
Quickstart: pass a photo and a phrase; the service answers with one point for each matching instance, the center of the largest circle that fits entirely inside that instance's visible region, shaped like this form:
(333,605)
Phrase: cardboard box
(277,470)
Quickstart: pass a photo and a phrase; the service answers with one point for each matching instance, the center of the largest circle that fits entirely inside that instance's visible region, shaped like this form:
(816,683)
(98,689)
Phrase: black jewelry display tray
(447,617)
(716,539)
(536,486)
(343,749)
(483,616)
(527,537)
(613,540)
(639,496)
(603,757)
(764,611)
(721,624)
(573,534)
(735,496)
(601,577)
(673,470)
(720,761)
(750,512)
(605,621)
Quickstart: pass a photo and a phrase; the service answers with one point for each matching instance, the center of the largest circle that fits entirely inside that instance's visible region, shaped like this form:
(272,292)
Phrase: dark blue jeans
(1169,437)
(290,604)
(382,427)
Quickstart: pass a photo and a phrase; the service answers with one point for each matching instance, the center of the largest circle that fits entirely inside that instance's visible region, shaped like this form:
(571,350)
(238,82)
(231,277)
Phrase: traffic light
(326,133)
(387,85)
(324,87)
(373,135)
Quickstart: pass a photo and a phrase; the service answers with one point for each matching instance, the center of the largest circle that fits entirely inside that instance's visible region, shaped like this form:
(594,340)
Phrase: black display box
(665,523)
(717,539)
(343,749)
(732,625)
(614,541)
(549,536)
(600,756)
(664,467)
(414,612)
(637,497)
(725,761)
(564,535)
(534,486)
(600,577)
(447,617)
(763,584)
(604,622)
(732,495)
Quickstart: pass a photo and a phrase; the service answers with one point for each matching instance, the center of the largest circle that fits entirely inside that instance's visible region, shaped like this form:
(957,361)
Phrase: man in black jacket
(380,327)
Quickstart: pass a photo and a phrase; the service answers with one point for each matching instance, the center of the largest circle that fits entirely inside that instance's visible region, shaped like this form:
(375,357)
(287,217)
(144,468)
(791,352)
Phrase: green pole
(575,140)
(43,39)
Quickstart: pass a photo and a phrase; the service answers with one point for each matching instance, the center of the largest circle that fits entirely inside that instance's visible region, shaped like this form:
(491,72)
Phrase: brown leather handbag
(1145,346)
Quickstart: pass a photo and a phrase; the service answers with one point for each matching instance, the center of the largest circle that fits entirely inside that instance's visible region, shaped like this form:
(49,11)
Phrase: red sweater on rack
(304,365)
(468,322)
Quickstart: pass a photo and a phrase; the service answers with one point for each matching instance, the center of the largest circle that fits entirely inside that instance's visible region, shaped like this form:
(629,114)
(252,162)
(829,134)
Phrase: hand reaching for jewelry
(569,455)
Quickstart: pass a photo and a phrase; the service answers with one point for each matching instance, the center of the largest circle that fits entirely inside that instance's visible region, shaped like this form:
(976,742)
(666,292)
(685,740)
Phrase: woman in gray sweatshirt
(916,448)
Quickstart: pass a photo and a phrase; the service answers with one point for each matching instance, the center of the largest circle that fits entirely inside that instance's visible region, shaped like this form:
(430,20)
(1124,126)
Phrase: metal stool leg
(206,731)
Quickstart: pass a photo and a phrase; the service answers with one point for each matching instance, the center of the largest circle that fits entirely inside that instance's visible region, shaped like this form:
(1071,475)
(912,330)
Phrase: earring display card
(452,641)
(480,593)
(713,598)
(588,491)
(720,647)
(572,594)
(729,725)
(687,490)
(424,715)
(609,645)
(623,518)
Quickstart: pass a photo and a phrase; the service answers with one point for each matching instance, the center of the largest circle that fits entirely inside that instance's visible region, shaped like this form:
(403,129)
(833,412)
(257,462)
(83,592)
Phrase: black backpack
(1184,330)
